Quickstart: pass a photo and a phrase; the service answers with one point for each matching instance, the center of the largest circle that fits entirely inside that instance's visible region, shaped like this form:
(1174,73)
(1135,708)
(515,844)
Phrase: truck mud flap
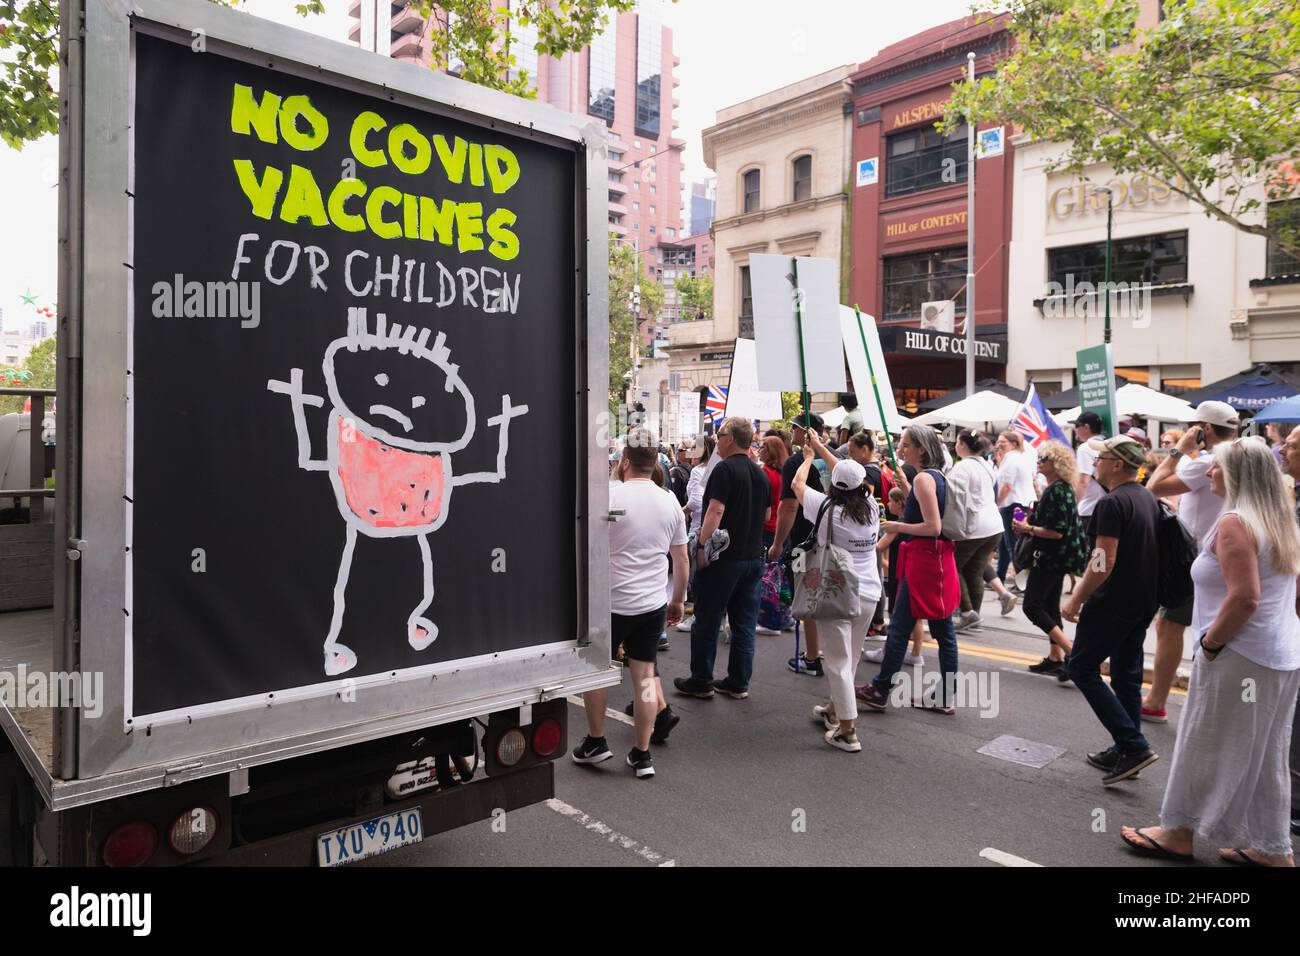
(441,811)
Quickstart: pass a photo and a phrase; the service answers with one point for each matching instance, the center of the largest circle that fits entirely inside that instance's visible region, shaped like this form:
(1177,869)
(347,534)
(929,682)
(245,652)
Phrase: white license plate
(371,838)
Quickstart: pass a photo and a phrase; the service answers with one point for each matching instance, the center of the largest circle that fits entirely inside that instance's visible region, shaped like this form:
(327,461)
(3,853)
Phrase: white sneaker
(766,630)
(1008,603)
(685,626)
(967,620)
(875,655)
(825,715)
(843,741)
(915,660)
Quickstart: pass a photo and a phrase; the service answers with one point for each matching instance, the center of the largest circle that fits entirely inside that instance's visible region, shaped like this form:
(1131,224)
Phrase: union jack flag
(715,405)
(1034,424)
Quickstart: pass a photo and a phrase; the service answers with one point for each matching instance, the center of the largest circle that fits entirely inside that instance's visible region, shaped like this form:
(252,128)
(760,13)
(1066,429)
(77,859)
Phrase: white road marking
(609,833)
(609,712)
(1006,859)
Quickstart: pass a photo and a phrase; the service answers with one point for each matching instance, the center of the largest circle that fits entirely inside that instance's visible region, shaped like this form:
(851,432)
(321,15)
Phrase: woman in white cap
(852,521)
(1229,784)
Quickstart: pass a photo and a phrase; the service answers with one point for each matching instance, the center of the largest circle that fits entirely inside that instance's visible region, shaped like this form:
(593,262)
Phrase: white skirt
(1230,780)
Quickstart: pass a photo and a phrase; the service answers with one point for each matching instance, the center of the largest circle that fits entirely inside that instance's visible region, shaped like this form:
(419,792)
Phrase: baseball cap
(1136,433)
(1124,447)
(814,419)
(848,475)
(1214,413)
(1091,419)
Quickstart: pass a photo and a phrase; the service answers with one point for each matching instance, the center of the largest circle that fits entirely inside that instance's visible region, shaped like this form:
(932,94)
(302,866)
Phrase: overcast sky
(730,50)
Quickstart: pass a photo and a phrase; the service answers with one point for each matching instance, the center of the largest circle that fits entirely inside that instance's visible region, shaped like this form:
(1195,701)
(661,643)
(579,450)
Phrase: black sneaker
(802,665)
(1128,766)
(1063,672)
(1046,666)
(630,709)
(735,693)
(1295,825)
(665,721)
(663,642)
(692,688)
(639,760)
(1104,759)
(591,750)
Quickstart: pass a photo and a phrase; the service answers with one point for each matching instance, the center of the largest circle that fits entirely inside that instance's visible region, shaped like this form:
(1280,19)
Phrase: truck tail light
(546,737)
(511,747)
(131,844)
(193,830)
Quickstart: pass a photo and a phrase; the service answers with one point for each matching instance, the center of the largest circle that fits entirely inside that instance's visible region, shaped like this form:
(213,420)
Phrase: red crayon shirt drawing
(387,456)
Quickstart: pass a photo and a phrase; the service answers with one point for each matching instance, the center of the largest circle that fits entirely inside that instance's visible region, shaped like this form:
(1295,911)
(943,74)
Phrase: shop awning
(983,385)
(1070,397)
(1250,390)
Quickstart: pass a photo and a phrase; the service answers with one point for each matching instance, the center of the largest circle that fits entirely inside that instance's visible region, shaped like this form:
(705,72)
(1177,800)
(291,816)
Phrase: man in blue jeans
(737,499)
(1114,604)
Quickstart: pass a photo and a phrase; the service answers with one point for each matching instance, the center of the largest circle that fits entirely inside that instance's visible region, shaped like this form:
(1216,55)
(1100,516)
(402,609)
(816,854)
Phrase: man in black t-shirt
(792,529)
(737,499)
(1113,606)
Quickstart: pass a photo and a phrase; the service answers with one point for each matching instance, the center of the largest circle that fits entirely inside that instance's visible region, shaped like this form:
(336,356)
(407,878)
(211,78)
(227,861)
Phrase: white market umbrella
(1135,399)
(973,412)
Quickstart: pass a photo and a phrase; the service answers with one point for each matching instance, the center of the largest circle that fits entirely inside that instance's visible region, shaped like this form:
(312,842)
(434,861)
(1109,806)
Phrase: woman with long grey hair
(928,587)
(1229,783)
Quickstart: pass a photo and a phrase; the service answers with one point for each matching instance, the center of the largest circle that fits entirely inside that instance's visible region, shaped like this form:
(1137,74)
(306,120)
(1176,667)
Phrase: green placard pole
(875,388)
(803,368)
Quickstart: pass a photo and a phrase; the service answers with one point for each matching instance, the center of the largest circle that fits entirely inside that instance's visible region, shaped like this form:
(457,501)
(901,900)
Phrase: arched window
(802,168)
(751,185)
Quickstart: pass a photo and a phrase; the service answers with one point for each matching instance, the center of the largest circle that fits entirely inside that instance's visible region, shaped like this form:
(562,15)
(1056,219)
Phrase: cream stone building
(782,162)
(1208,300)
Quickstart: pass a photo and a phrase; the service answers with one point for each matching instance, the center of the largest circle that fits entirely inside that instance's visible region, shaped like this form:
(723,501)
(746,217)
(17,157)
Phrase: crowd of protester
(818,533)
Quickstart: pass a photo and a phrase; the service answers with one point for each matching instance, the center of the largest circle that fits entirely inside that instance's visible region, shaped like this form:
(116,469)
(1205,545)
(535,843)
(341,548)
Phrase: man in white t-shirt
(1186,473)
(1088,490)
(649,529)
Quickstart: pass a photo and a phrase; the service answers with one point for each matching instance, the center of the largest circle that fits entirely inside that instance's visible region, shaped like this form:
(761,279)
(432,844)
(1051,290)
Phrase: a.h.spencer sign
(921,110)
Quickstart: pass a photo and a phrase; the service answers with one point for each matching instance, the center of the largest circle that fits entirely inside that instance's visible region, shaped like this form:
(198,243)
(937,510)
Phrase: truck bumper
(440,811)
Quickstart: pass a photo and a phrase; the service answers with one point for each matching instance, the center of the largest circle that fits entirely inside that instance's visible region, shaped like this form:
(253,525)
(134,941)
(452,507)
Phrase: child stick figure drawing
(391,465)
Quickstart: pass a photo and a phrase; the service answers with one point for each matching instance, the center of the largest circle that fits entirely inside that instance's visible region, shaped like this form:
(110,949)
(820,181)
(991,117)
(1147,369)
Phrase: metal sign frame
(99,142)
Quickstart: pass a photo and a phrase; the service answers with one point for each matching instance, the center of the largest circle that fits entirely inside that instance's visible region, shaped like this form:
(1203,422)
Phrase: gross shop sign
(941,344)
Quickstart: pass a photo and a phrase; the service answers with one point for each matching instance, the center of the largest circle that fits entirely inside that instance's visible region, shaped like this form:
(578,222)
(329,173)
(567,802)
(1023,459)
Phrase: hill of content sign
(943,345)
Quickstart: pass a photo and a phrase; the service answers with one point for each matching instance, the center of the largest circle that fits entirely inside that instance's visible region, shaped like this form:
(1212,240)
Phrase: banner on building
(1095,374)
(777,323)
(744,398)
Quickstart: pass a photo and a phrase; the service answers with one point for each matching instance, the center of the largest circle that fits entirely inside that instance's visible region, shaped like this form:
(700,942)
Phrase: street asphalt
(751,782)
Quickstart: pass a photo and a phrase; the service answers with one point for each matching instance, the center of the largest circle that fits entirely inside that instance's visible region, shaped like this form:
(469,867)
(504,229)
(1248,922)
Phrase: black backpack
(1177,552)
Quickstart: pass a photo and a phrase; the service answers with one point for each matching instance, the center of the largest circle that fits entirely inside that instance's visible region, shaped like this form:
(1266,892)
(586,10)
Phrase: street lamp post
(1110,208)
(970,239)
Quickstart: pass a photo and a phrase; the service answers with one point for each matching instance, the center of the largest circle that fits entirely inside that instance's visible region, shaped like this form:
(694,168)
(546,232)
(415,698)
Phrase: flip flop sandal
(1237,857)
(1155,849)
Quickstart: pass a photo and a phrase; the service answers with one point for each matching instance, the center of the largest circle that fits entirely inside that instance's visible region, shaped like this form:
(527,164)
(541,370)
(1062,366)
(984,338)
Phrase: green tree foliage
(478,34)
(1207,101)
(475,32)
(40,363)
(622,278)
(695,296)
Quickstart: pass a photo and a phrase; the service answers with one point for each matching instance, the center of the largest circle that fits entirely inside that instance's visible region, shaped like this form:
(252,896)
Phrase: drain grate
(1028,753)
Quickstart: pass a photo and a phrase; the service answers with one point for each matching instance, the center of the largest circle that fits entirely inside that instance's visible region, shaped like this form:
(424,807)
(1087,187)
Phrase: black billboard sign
(353,384)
